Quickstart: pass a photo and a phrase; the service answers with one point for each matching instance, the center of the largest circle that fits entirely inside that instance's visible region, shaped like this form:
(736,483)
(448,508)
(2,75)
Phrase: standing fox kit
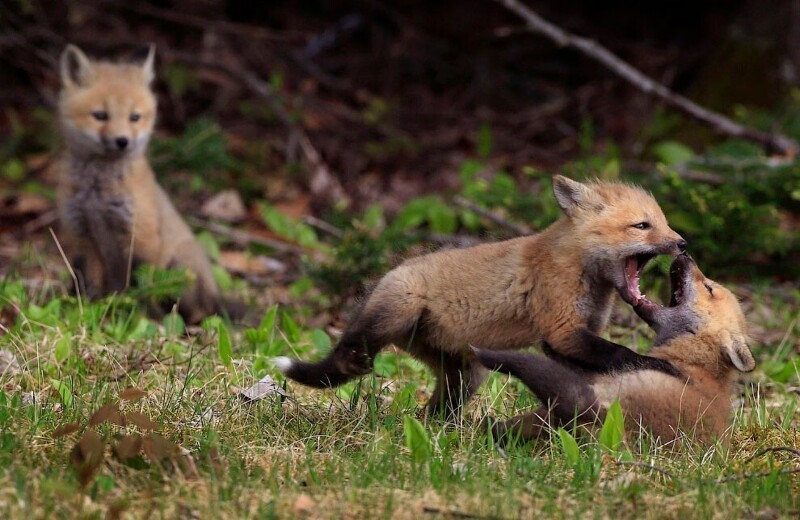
(504,295)
(702,335)
(113,213)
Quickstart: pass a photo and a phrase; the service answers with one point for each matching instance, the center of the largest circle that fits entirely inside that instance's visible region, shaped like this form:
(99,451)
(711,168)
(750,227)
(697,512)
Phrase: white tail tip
(283,363)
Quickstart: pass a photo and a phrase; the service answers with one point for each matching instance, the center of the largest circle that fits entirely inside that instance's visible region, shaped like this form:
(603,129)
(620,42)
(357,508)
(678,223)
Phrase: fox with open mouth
(504,295)
(701,340)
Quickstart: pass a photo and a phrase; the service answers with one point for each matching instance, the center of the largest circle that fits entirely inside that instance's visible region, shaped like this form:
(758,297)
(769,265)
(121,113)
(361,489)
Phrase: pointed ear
(149,64)
(737,351)
(573,196)
(76,68)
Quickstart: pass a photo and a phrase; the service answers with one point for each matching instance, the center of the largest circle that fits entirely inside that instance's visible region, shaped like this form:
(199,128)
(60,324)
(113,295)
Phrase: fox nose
(122,142)
(682,245)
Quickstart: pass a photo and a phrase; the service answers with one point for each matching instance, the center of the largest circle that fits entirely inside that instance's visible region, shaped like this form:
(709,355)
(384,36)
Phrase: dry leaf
(108,412)
(65,429)
(226,206)
(8,363)
(304,505)
(265,387)
(157,448)
(245,263)
(128,447)
(132,394)
(87,455)
(142,421)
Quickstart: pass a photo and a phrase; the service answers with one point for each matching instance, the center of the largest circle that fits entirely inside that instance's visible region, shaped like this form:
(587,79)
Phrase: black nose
(122,142)
(682,245)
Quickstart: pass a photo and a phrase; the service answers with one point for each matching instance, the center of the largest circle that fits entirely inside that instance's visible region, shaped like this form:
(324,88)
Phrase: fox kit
(504,295)
(113,214)
(702,335)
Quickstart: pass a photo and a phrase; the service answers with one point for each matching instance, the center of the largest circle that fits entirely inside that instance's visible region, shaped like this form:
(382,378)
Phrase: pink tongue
(632,278)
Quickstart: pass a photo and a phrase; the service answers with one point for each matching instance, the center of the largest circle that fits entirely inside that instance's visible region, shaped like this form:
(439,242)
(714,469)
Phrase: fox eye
(710,289)
(135,117)
(642,225)
(100,115)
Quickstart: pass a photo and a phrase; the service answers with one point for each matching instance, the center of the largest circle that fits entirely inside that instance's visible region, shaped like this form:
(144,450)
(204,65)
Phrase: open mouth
(633,269)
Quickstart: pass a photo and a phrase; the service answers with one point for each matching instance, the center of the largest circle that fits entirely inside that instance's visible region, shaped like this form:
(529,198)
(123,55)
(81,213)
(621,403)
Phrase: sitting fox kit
(113,213)
(702,335)
(505,295)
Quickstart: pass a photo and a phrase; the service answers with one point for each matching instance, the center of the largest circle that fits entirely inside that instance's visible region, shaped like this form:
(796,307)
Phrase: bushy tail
(322,374)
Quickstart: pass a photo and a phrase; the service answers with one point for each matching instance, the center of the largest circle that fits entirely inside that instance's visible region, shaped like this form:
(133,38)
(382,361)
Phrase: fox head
(703,324)
(618,228)
(106,109)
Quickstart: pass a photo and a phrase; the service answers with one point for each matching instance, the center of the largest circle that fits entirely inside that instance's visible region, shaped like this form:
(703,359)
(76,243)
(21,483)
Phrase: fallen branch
(322,183)
(724,125)
(773,449)
(517,229)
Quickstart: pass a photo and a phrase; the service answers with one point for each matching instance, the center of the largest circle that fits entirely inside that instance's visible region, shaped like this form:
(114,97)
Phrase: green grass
(357,452)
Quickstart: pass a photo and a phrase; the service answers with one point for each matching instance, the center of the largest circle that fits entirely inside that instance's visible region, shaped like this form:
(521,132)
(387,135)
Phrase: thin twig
(455,513)
(646,84)
(323,226)
(773,449)
(646,465)
(244,237)
(517,229)
(71,272)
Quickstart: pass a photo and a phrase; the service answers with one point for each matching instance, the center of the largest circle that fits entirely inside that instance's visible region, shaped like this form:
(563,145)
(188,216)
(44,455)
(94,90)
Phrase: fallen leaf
(132,394)
(245,263)
(87,455)
(8,363)
(128,447)
(226,206)
(304,505)
(142,421)
(65,429)
(157,448)
(265,387)
(107,413)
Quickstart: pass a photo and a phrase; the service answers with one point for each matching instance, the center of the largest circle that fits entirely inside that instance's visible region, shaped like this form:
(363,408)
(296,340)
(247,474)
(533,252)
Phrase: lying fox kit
(701,335)
(113,214)
(504,295)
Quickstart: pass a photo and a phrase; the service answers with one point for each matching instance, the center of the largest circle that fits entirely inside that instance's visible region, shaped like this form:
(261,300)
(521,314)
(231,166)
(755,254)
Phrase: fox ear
(76,68)
(148,65)
(737,351)
(573,196)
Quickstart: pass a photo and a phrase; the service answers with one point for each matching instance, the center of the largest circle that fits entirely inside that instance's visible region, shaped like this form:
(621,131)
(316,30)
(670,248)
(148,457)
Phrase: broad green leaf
(63,348)
(417,439)
(673,152)
(224,344)
(321,340)
(569,446)
(290,328)
(613,430)
(268,322)
(64,392)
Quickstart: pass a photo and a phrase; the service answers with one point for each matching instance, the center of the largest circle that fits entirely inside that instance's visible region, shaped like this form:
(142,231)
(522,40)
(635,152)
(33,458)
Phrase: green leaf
(268,322)
(569,447)
(224,346)
(613,430)
(442,219)
(291,329)
(321,340)
(417,439)
(63,391)
(673,152)
(63,349)
(174,325)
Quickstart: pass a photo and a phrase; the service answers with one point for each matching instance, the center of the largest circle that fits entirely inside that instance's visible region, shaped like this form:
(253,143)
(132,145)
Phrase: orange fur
(112,211)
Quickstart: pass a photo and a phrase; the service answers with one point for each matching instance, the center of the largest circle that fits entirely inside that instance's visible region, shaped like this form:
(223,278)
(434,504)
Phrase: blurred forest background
(351,130)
